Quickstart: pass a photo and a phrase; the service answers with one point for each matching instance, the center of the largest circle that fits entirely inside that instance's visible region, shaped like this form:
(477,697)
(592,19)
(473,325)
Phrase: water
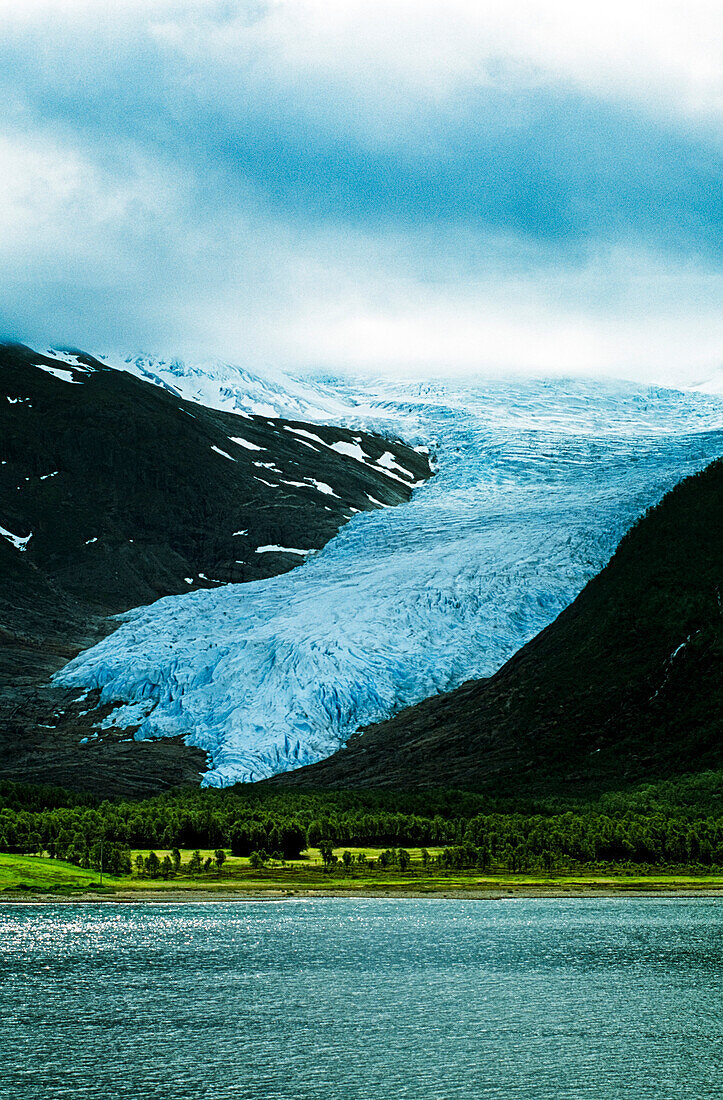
(363,999)
(537,482)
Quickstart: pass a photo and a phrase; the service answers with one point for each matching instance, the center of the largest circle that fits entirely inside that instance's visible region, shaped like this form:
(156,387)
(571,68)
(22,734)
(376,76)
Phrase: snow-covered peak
(231,388)
(712,384)
(74,359)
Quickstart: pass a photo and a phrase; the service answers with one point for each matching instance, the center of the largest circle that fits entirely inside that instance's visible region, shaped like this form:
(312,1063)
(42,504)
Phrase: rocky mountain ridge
(625,685)
(115,492)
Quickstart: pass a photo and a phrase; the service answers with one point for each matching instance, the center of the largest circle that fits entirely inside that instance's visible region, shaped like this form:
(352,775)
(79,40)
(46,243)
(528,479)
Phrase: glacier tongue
(536,483)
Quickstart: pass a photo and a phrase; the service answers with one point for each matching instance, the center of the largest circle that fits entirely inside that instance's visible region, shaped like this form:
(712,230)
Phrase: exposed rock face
(627,683)
(115,492)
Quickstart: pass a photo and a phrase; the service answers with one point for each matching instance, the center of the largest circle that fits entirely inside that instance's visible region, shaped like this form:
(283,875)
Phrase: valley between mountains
(272,604)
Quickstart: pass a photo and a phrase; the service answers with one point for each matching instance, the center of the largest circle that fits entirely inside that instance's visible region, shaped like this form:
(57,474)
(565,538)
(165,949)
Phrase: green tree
(176,857)
(153,865)
(34,843)
(347,859)
(195,865)
(326,851)
(140,864)
(166,867)
(484,857)
(220,857)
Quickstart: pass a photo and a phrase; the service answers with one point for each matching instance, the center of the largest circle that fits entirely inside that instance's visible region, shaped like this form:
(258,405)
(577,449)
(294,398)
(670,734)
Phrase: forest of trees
(674,824)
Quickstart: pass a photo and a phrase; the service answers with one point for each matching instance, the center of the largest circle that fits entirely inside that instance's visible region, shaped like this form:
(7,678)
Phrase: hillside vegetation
(254,838)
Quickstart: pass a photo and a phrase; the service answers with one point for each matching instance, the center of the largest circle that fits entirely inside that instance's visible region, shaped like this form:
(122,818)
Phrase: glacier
(536,482)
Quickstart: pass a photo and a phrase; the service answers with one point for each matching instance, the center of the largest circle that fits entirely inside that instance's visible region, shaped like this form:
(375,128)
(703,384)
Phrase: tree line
(153,866)
(677,823)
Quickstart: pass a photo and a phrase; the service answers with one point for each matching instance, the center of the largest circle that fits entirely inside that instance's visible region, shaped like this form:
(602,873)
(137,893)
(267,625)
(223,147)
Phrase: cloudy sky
(396,185)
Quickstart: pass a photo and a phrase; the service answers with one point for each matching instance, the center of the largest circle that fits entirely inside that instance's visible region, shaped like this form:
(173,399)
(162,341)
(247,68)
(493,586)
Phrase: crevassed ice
(536,483)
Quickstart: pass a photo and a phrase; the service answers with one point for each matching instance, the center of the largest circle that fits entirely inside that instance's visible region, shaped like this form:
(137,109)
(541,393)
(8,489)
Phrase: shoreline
(217,897)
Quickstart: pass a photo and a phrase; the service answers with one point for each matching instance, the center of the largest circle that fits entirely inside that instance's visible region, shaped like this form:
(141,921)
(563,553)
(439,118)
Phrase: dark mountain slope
(115,492)
(626,683)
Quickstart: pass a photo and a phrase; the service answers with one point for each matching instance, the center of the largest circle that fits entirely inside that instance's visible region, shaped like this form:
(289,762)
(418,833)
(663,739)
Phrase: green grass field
(25,875)
(41,874)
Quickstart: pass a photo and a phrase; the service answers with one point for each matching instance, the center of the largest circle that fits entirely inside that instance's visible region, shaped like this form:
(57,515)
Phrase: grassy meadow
(24,875)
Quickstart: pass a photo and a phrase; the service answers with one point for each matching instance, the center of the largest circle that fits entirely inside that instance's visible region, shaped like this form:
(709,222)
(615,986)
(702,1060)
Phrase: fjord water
(358,999)
(537,481)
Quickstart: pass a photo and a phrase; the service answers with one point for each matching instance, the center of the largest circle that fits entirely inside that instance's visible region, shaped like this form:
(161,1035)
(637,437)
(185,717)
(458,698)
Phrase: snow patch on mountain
(273,548)
(537,481)
(322,487)
(224,454)
(72,358)
(20,542)
(245,443)
(60,374)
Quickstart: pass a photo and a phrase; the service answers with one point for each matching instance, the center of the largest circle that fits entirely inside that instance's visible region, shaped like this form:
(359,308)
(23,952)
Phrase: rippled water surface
(353,1000)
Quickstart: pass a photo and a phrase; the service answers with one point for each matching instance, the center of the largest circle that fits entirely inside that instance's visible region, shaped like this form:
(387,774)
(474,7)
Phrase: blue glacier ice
(536,482)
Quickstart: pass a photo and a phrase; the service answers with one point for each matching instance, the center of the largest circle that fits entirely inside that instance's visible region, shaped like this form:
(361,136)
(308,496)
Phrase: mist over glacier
(536,482)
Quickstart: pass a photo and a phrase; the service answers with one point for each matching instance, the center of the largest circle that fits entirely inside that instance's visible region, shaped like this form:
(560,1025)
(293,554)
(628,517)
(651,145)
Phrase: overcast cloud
(393,185)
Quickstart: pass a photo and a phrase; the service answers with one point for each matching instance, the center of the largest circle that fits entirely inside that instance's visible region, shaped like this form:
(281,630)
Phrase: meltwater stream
(536,483)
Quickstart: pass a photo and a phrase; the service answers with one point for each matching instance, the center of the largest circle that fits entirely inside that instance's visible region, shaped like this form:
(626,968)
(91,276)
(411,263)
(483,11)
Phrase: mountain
(625,684)
(232,388)
(115,492)
(536,482)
